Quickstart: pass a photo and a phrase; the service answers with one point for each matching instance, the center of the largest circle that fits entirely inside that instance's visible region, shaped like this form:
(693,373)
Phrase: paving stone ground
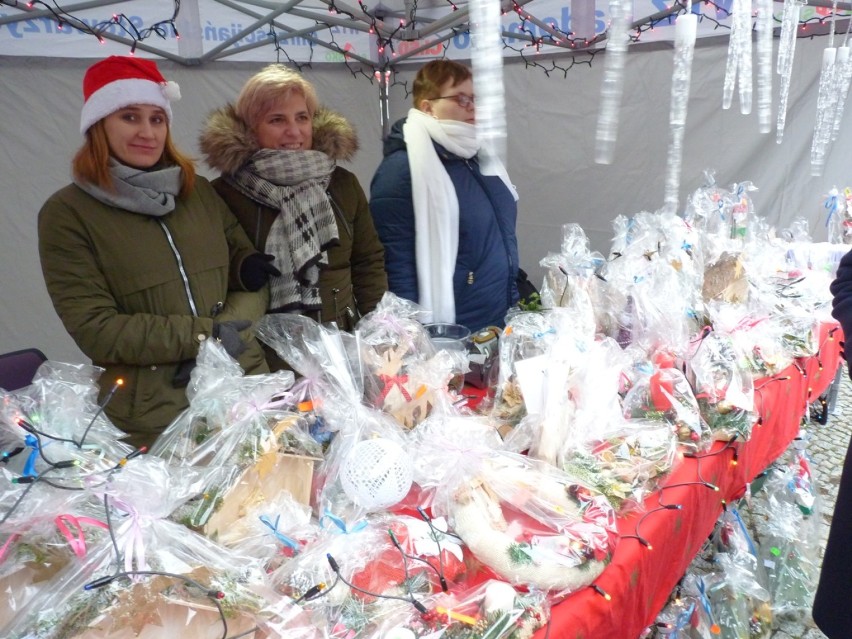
(827,450)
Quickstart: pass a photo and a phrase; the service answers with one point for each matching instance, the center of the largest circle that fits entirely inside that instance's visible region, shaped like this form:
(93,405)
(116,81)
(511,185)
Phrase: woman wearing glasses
(448,230)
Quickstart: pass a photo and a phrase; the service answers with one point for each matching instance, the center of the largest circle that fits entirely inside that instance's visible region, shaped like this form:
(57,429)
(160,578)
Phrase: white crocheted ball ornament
(376,474)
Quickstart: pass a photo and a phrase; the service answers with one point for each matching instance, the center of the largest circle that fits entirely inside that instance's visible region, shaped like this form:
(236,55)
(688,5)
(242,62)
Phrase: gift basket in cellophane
(405,376)
(149,577)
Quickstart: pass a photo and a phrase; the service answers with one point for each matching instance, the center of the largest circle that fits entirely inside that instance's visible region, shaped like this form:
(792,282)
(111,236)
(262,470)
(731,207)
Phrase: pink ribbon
(6,546)
(76,543)
(133,541)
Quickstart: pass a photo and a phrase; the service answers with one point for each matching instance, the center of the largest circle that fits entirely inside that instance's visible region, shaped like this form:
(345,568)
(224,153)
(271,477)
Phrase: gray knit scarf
(294,183)
(139,191)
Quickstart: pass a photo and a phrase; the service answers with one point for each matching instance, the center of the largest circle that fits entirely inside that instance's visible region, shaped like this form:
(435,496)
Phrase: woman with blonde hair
(278,150)
(142,259)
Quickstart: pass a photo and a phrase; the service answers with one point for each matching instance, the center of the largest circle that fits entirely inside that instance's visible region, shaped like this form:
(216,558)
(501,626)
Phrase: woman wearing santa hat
(278,151)
(142,259)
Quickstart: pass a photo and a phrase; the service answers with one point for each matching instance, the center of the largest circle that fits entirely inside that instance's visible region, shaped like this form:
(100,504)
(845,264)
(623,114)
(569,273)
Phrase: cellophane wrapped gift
(274,530)
(659,391)
(59,414)
(570,278)
(48,529)
(741,606)
(350,582)
(323,362)
(689,615)
(237,428)
(405,375)
(549,384)
(838,211)
(367,466)
(649,295)
(491,610)
(722,385)
(527,521)
(114,591)
(625,463)
(788,531)
(755,334)
(526,336)
(227,410)
(708,208)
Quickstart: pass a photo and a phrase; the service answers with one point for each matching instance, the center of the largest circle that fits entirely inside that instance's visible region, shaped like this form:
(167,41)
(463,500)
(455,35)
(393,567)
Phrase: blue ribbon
(702,598)
(744,530)
(832,204)
(284,539)
(341,525)
(29,467)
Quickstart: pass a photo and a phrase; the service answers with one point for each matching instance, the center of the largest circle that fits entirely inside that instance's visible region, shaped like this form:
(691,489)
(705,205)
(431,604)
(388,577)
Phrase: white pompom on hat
(120,81)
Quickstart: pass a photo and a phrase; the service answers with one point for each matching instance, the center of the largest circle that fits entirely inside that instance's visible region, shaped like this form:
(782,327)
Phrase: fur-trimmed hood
(227,143)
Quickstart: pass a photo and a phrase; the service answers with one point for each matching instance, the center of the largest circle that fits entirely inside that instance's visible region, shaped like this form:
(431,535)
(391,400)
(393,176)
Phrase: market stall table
(655,551)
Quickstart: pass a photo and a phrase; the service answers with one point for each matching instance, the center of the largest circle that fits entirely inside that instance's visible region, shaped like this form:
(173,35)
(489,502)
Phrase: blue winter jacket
(484,281)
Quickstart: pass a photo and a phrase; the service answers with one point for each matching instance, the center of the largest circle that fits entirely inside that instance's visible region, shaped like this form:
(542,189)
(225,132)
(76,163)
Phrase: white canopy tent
(550,116)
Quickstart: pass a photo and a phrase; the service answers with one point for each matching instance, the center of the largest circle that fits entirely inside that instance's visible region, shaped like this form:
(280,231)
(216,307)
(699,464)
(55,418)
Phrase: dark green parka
(138,293)
(354,280)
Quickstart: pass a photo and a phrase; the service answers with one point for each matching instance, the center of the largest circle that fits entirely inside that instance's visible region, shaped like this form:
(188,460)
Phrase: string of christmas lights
(527,38)
(102,30)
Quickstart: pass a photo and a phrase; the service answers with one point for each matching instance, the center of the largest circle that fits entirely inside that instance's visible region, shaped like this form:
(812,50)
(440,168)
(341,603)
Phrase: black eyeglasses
(462,99)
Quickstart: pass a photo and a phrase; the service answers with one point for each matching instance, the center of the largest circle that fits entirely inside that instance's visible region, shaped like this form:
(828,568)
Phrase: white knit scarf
(436,206)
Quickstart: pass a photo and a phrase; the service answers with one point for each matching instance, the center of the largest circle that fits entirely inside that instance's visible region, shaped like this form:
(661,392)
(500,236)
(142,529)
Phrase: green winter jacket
(138,294)
(354,280)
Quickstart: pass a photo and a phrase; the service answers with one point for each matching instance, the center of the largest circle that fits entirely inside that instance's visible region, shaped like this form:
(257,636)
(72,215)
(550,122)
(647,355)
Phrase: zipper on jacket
(338,213)
(512,266)
(183,275)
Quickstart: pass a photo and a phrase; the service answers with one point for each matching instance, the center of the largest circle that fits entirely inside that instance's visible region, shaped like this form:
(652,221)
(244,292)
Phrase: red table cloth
(640,579)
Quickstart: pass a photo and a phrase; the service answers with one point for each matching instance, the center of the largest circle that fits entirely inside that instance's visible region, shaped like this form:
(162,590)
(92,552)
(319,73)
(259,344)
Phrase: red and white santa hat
(118,82)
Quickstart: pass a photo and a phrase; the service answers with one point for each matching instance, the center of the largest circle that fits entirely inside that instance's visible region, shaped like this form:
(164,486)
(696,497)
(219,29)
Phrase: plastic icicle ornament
(786,52)
(826,102)
(686,28)
(826,98)
(842,77)
(738,68)
(613,81)
(487,62)
(764,26)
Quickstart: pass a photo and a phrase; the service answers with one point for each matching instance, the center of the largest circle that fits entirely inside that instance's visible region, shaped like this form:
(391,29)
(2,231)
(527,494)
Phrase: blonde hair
(267,86)
(435,74)
(91,163)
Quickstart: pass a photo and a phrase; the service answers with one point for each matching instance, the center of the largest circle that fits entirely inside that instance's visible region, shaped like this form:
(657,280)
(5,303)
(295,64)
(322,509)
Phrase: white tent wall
(551,129)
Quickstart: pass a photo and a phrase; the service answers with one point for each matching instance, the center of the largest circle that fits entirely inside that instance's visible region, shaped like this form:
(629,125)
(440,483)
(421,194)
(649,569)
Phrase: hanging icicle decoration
(826,98)
(686,28)
(786,51)
(613,80)
(738,68)
(826,102)
(842,76)
(764,26)
(487,62)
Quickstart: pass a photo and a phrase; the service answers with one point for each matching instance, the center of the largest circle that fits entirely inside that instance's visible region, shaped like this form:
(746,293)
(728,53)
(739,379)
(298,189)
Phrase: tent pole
(189,23)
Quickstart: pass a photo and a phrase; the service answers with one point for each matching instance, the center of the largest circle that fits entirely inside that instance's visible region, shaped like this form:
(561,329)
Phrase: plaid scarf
(294,183)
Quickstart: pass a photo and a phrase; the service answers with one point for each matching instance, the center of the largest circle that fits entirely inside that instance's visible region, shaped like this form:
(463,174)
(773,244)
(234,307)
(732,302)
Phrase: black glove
(256,270)
(181,378)
(228,335)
